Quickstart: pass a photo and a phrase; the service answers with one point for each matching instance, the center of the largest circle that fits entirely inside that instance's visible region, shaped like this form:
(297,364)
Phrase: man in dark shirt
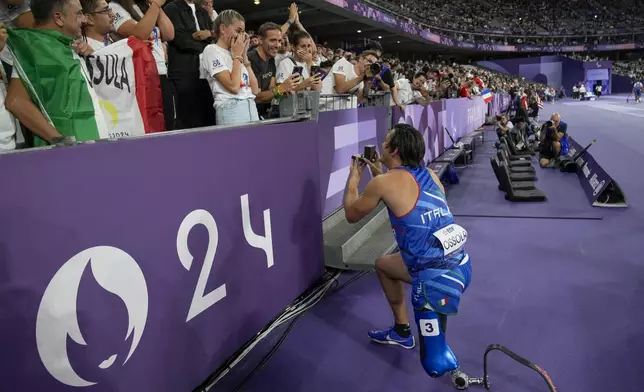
(192,33)
(385,80)
(262,61)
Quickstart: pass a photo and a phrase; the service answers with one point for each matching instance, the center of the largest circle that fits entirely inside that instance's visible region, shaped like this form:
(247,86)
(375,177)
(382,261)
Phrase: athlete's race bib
(453,237)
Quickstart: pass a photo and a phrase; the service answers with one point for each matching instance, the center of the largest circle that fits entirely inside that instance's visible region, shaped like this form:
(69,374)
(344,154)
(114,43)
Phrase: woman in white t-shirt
(303,58)
(228,71)
(145,20)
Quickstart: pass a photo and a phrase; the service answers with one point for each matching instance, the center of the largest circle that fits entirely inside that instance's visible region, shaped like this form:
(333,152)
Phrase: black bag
(567,165)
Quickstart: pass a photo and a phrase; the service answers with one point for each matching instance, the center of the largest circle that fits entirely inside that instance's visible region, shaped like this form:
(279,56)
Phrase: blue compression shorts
(441,289)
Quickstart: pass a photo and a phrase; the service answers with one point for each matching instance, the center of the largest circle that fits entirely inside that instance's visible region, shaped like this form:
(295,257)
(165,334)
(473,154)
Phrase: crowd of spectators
(567,22)
(213,72)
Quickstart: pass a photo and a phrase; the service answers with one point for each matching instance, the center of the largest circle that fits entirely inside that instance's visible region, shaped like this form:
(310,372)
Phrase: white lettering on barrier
(118,273)
(585,170)
(453,238)
(257,241)
(598,188)
(593,181)
(200,302)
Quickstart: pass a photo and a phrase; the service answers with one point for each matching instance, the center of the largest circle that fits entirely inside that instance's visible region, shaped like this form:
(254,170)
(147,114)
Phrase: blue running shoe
(389,336)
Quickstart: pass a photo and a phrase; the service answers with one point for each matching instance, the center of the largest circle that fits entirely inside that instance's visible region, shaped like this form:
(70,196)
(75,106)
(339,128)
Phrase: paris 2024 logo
(116,272)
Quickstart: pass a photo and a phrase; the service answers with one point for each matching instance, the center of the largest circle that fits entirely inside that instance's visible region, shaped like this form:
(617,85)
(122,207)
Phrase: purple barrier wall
(622,84)
(141,265)
(460,116)
(554,71)
(342,134)
(463,116)
(429,121)
(500,104)
(346,132)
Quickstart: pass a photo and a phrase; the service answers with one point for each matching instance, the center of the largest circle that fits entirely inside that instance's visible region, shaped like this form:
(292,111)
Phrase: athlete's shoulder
(436,180)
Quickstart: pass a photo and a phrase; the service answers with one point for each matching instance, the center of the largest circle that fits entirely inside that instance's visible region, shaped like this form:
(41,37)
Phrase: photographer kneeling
(554,141)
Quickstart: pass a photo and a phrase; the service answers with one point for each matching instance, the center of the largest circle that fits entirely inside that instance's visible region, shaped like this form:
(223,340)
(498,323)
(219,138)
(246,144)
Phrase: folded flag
(106,95)
(487,95)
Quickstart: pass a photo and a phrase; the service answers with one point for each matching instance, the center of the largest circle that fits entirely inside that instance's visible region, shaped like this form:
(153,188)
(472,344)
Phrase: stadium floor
(565,293)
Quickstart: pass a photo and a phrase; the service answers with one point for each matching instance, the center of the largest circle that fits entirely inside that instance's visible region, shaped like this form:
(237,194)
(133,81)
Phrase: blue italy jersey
(427,236)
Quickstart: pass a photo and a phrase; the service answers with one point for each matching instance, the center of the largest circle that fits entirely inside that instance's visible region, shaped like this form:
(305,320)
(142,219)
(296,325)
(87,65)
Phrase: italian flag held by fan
(113,93)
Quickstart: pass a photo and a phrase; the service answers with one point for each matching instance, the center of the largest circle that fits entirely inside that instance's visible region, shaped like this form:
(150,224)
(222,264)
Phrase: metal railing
(329,102)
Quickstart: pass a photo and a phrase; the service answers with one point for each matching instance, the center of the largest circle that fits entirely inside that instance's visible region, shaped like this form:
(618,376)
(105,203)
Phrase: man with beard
(262,61)
(99,23)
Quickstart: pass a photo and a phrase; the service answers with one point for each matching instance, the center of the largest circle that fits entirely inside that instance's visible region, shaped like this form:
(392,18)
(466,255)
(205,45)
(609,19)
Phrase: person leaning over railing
(405,93)
(347,78)
(228,71)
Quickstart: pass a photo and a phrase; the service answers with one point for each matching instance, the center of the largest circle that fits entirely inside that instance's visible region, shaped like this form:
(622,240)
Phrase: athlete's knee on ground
(543,162)
(435,355)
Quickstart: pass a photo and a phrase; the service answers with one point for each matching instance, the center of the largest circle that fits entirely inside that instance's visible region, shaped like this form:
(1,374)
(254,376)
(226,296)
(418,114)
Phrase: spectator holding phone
(300,63)
(229,72)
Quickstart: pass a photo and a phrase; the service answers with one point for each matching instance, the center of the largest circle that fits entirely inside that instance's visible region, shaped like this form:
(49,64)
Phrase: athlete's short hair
(410,144)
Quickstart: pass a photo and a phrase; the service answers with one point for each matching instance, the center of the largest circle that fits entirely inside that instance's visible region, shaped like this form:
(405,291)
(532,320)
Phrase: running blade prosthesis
(462,381)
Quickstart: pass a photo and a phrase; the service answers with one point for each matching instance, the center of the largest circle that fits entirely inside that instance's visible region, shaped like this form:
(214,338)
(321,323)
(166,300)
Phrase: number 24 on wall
(200,300)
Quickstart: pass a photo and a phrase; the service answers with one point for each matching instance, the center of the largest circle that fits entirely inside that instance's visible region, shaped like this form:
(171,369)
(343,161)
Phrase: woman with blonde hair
(228,71)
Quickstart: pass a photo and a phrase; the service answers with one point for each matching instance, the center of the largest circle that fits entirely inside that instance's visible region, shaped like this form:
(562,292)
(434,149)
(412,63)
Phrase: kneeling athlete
(432,257)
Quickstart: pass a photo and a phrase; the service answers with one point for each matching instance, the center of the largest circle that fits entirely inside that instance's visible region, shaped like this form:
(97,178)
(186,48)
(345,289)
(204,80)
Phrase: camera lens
(375,68)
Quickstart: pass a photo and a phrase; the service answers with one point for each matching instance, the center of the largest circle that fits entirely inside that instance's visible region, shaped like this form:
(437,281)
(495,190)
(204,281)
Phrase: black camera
(549,124)
(375,68)
(370,152)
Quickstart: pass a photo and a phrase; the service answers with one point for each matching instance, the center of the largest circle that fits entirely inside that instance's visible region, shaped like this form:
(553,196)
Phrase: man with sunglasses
(99,23)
